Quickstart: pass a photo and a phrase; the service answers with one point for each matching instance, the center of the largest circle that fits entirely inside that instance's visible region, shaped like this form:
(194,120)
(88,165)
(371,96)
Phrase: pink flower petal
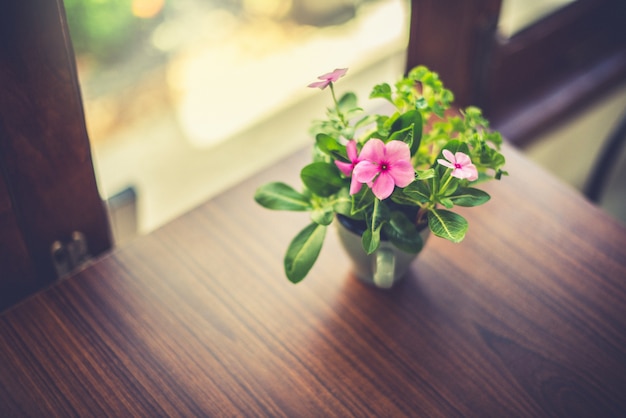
(461,158)
(346,168)
(365,171)
(334,75)
(445,163)
(402,173)
(449,156)
(328,78)
(461,165)
(383,186)
(355,185)
(397,151)
(321,84)
(470,172)
(373,150)
(351,150)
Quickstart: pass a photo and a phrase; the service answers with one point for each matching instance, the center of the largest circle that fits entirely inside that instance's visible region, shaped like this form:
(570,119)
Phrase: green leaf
(303,251)
(418,72)
(448,225)
(361,202)
(421,103)
(455,146)
(401,199)
(438,109)
(370,240)
(330,146)
(404,135)
(382,91)
(447,96)
(322,216)
(321,178)
(366,120)
(403,234)
(446,202)
(494,137)
(348,102)
(343,203)
(380,214)
(413,120)
(469,196)
(451,187)
(280,196)
(425,174)
(496,160)
(418,191)
(371,237)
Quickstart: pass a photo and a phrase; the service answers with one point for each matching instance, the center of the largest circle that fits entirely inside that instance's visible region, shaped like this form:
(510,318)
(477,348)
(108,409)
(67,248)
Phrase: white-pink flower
(461,165)
(329,78)
(347,168)
(384,166)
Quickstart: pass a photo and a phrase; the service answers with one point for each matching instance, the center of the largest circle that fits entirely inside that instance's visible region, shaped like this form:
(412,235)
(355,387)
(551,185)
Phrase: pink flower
(384,166)
(460,164)
(329,78)
(347,168)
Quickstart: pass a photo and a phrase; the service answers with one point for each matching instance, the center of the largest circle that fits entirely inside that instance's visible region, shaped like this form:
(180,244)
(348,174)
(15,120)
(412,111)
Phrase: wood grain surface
(525,318)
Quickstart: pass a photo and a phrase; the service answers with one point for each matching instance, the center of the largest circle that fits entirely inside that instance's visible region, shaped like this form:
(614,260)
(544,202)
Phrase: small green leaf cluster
(424,119)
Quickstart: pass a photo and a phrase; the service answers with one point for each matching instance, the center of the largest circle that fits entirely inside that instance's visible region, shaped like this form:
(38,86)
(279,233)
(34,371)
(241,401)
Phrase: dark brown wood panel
(555,68)
(572,40)
(533,80)
(44,149)
(525,318)
(17,274)
(454,38)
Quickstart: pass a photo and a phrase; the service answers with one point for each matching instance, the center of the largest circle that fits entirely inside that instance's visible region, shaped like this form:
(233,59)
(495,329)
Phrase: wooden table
(526,317)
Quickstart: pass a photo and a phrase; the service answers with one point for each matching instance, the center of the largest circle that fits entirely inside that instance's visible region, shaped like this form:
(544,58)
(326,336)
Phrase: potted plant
(389,179)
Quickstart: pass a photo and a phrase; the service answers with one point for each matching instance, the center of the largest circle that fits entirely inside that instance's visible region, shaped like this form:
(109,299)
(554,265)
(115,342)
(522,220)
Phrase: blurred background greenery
(108,31)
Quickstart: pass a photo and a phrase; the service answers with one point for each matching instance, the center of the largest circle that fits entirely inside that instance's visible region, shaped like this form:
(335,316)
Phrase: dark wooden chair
(606,161)
(532,80)
(51,215)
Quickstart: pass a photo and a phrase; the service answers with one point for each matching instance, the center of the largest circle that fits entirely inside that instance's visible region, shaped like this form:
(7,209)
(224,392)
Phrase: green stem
(420,215)
(443,188)
(341,117)
(332,91)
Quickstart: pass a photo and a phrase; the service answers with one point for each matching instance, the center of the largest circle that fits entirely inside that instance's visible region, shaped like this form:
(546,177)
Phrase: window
(184,98)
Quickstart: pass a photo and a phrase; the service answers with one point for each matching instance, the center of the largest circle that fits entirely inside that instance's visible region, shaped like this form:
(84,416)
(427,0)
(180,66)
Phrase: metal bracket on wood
(70,255)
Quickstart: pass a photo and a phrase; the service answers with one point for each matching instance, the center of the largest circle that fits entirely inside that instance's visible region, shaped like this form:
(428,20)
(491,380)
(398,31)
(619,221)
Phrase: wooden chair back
(529,81)
(50,208)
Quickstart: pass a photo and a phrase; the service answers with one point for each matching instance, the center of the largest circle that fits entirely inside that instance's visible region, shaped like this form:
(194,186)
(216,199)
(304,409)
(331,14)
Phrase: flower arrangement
(394,173)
